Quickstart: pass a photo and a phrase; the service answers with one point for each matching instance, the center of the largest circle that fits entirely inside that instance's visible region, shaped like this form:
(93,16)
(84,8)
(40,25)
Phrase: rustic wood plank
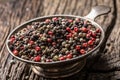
(15,12)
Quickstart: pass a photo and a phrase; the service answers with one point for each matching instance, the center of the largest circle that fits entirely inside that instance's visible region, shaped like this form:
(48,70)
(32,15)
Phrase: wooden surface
(103,65)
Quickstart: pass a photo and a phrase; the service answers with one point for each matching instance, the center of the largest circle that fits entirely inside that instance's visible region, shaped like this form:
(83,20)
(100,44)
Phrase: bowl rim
(55,62)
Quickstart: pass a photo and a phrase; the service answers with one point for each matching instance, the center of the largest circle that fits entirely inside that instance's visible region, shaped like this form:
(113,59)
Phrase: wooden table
(103,65)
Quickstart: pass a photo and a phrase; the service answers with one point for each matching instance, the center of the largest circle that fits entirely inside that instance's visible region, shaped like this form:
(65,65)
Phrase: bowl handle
(97,11)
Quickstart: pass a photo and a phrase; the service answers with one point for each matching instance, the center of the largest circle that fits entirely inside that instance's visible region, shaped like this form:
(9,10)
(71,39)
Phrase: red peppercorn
(84,44)
(53,43)
(77,47)
(49,39)
(37,48)
(15,52)
(50,32)
(82,51)
(22,47)
(41,35)
(55,19)
(76,29)
(94,34)
(87,35)
(90,42)
(70,20)
(68,29)
(37,58)
(98,30)
(93,39)
(31,42)
(48,60)
(84,29)
(69,35)
(65,56)
(12,39)
(89,32)
(62,58)
(69,56)
(47,20)
(77,19)
(12,36)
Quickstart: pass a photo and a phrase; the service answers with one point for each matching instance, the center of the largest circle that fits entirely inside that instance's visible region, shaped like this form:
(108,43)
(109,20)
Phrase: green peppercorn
(80,34)
(63,43)
(55,51)
(74,56)
(48,27)
(43,58)
(60,55)
(43,38)
(84,35)
(81,40)
(64,50)
(70,41)
(75,38)
(67,52)
(55,58)
(44,51)
(71,47)
(67,45)
(25,57)
(74,52)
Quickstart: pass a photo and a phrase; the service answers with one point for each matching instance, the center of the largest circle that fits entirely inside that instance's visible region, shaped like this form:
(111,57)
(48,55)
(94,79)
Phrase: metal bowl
(67,67)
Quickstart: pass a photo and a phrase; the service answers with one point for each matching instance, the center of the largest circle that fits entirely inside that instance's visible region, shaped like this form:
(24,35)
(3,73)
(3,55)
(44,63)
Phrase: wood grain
(103,65)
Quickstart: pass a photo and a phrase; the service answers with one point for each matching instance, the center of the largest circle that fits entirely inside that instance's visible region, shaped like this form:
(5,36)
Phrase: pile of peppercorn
(55,39)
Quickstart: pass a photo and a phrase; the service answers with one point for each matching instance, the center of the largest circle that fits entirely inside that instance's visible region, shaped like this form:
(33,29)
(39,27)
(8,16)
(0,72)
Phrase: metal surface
(97,11)
(61,72)
(70,66)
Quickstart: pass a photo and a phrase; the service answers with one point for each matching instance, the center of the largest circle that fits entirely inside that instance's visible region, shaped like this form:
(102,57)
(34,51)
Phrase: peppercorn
(67,45)
(69,56)
(84,45)
(64,50)
(90,42)
(55,39)
(25,57)
(49,39)
(68,29)
(15,52)
(63,43)
(75,29)
(37,48)
(62,58)
(47,20)
(80,34)
(77,47)
(37,58)
(74,52)
(55,58)
(84,29)
(55,51)
(50,33)
(82,51)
